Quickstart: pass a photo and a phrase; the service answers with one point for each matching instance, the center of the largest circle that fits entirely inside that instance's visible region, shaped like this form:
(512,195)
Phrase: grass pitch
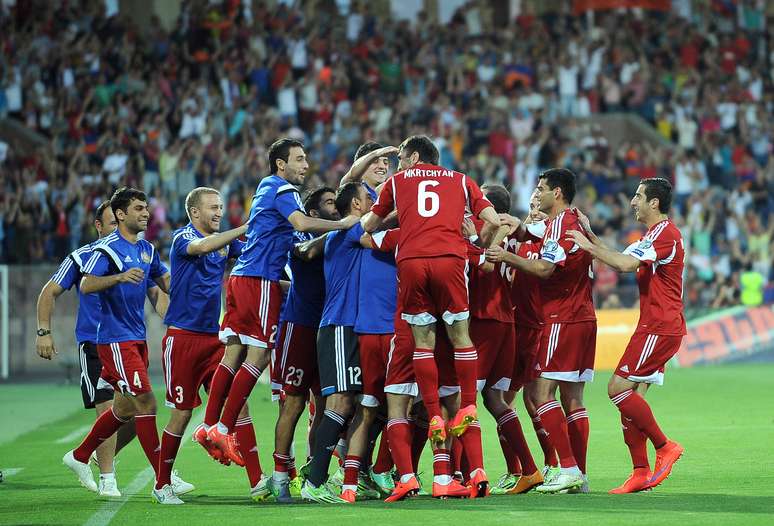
(722,415)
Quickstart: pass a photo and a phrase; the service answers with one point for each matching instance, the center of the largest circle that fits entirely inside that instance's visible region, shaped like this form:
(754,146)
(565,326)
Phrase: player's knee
(145,404)
(616,385)
(493,401)
(293,405)
(341,403)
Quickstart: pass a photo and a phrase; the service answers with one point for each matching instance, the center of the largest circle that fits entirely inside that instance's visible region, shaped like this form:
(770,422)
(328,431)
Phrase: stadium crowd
(167,111)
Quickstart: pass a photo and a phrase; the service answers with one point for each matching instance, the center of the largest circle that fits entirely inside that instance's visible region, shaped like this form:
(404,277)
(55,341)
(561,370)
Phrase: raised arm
(303,223)
(359,167)
(208,244)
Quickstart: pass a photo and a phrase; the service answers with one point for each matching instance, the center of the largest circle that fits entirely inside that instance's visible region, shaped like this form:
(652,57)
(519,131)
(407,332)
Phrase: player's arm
(163,281)
(371,222)
(384,205)
(208,244)
(284,285)
(586,224)
(159,300)
(312,249)
(612,258)
(304,223)
(45,344)
(491,225)
(359,167)
(537,267)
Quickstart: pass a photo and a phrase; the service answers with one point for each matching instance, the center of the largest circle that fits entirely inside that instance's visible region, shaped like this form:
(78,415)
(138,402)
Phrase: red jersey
(525,289)
(660,279)
(490,297)
(431,202)
(567,293)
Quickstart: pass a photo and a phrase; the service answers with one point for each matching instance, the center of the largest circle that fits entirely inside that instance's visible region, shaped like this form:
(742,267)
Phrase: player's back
(342,276)
(566,294)
(306,297)
(377,293)
(490,297)
(69,275)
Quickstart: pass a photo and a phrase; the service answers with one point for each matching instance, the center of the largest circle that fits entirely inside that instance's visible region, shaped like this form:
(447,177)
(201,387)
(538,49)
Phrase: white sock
(345,487)
(107,476)
(443,480)
(280,476)
(406,478)
(571,471)
(222,429)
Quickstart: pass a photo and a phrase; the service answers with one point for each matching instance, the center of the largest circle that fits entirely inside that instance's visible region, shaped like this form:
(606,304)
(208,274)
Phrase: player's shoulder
(81,255)
(664,231)
(187,232)
(565,220)
(278,185)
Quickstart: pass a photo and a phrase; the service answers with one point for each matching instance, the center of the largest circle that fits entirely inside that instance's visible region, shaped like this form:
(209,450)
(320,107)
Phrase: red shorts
(444,360)
(294,361)
(527,347)
(374,353)
(646,356)
(189,361)
(252,310)
(400,362)
(125,366)
(494,341)
(567,351)
(433,287)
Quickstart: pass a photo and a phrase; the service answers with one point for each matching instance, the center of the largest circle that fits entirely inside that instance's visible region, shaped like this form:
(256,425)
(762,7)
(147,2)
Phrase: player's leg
(338,409)
(357,441)
(637,443)
(550,459)
(426,372)
(222,380)
(571,397)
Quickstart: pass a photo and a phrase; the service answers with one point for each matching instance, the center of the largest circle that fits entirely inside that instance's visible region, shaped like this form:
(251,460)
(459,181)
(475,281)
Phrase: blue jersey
(196,282)
(69,274)
(269,233)
(306,297)
(122,316)
(371,192)
(342,276)
(377,294)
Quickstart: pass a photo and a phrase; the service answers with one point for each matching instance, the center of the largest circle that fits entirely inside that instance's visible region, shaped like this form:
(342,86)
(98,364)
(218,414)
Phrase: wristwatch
(44,332)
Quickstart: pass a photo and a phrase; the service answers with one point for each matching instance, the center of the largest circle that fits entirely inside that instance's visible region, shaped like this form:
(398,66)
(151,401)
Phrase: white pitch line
(108,510)
(69,437)
(10,472)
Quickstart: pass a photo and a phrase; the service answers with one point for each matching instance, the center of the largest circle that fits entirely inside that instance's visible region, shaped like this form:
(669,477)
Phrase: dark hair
(367,148)
(661,189)
(100,211)
(123,196)
(499,196)
(281,150)
(312,201)
(344,196)
(421,144)
(563,178)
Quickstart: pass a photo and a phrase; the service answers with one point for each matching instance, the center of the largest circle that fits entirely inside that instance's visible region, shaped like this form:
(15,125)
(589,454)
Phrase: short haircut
(345,195)
(367,148)
(123,196)
(658,188)
(194,198)
(281,150)
(421,144)
(100,211)
(499,196)
(314,199)
(563,178)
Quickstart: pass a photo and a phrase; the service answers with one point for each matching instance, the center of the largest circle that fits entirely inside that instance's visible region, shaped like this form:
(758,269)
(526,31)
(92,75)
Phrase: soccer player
(191,348)
(371,167)
(253,293)
(95,395)
(296,363)
(119,269)
(657,258)
(567,348)
(338,355)
(431,201)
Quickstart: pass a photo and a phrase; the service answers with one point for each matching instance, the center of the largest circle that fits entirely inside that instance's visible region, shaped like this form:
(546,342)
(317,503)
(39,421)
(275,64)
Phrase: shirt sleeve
(67,274)
(157,268)
(650,251)
(555,245)
(353,234)
(476,198)
(536,231)
(181,242)
(386,202)
(97,265)
(288,200)
(476,255)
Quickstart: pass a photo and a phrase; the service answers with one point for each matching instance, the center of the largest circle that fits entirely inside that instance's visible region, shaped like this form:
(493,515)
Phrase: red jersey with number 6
(431,202)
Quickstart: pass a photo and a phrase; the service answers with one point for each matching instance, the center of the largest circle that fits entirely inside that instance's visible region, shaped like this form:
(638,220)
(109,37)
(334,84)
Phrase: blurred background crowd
(198,103)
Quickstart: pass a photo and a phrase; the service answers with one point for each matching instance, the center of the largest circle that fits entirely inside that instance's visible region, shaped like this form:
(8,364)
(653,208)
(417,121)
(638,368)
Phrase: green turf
(722,415)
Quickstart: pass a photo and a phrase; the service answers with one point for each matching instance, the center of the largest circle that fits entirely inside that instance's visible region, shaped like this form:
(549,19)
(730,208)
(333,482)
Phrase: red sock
(398,433)
(281,463)
(292,473)
(555,423)
(245,435)
(106,424)
(578,431)
(635,408)
(148,436)
(549,453)
(426,373)
(441,462)
(511,429)
(351,470)
(219,386)
(465,365)
(457,458)
(170,443)
(512,463)
(384,461)
(637,443)
(418,441)
(243,384)
(471,443)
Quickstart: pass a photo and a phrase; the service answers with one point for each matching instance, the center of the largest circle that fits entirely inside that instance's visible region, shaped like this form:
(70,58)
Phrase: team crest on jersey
(145,258)
(551,246)
(645,244)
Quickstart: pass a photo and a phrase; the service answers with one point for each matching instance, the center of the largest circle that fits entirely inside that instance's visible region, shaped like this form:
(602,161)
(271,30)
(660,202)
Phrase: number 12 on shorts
(354,375)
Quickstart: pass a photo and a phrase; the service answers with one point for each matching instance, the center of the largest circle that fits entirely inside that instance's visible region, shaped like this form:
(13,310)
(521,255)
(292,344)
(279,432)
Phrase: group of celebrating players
(340,296)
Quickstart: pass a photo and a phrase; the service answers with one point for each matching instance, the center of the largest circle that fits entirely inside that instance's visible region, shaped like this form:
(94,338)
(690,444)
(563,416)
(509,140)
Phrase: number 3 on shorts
(424,195)
(136,380)
(179,394)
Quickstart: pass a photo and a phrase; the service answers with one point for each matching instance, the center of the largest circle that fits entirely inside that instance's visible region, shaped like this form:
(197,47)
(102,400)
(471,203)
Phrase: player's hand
(579,239)
(133,275)
(348,221)
(536,216)
(495,254)
(513,223)
(387,150)
(45,346)
(583,220)
(468,228)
